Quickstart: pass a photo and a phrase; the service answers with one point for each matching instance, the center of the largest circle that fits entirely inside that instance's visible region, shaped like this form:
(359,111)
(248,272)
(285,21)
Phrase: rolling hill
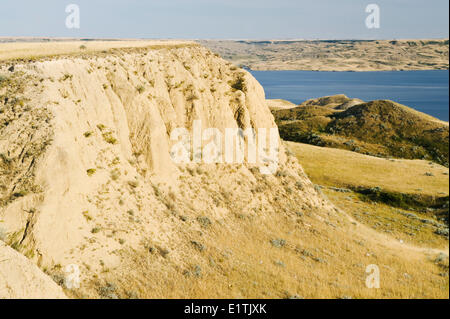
(380,128)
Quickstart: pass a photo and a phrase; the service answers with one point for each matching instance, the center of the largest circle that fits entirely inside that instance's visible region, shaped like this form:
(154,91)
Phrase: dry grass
(344,169)
(33,50)
(340,168)
(318,261)
(392,221)
(279,104)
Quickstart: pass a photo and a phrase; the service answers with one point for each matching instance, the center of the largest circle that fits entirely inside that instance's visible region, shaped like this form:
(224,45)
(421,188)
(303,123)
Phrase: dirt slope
(20,278)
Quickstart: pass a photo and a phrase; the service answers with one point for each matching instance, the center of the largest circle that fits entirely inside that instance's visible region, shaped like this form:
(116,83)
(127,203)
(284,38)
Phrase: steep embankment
(87,179)
(20,278)
(86,170)
(380,128)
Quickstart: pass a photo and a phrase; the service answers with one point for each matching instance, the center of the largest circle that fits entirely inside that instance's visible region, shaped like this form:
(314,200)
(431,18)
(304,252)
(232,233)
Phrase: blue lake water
(425,91)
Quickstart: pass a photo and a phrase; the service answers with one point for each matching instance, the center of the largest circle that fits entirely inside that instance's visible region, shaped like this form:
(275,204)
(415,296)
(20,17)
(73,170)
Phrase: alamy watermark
(373,19)
(72,276)
(373,279)
(73,19)
(236,145)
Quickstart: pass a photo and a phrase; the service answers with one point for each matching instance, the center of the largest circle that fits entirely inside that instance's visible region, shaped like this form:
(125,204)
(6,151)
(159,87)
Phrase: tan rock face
(20,278)
(106,184)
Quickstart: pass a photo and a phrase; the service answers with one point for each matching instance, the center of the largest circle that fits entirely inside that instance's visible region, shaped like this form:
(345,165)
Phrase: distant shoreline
(302,55)
(335,55)
(344,71)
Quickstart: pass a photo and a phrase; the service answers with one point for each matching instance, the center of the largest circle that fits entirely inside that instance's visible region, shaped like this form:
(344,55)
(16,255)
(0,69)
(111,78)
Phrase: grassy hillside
(335,167)
(380,128)
(342,174)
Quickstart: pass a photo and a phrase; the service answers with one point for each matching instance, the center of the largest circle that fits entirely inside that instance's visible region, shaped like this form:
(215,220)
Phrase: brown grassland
(335,169)
(342,168)
(334,55)
(38,50)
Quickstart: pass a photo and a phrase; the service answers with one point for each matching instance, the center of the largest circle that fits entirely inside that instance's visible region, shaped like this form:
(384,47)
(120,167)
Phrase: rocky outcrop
(20,278)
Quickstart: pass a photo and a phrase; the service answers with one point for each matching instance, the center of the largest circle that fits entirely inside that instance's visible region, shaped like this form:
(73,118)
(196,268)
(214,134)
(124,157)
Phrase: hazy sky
(232,19)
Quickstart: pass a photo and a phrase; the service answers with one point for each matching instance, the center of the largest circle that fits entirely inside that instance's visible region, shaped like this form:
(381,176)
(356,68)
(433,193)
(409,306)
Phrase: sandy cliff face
(87,176)
(20,278)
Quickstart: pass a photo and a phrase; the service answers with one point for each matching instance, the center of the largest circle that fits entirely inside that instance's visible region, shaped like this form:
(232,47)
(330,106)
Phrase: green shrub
(87,216)
(400,200)
(192,97)
(3,79)
(140,89)
(115,174)
(239,84)
(204,221)
(21,193)
(66,77)
(133,184)
(109,138)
